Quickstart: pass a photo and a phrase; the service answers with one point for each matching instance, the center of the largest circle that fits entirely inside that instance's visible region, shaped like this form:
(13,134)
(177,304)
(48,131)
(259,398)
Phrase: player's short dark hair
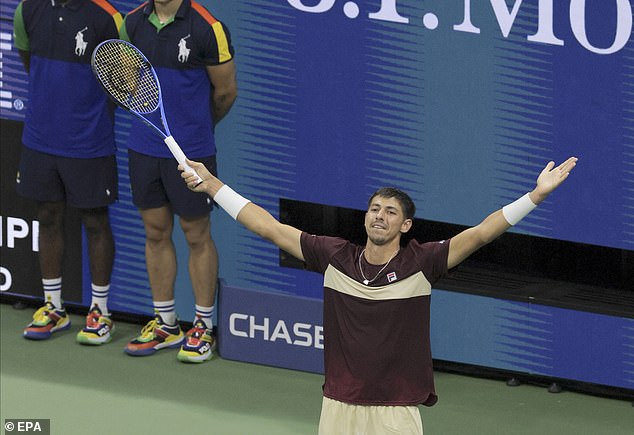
(409,209)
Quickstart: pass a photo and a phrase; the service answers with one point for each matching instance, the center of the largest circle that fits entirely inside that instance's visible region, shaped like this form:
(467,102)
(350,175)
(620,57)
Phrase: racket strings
(127,76)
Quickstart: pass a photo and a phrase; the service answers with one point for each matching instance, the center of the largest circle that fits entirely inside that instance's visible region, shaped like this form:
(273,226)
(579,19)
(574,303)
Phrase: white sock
(206,315)
(167,311)
(53,291)
(100,297)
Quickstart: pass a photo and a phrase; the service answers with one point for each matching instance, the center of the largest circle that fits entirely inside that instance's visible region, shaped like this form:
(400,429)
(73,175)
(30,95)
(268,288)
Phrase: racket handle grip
(179,155)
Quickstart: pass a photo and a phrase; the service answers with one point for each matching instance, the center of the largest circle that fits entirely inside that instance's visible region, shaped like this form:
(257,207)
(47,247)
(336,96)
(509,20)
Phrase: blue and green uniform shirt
(68,113)
(180,51)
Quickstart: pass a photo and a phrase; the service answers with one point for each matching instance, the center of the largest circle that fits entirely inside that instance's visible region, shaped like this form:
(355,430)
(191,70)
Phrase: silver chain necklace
(369,281)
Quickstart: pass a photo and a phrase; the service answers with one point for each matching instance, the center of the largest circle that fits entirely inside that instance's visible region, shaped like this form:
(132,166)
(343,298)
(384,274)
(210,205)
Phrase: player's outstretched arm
(252,216)
(472,239)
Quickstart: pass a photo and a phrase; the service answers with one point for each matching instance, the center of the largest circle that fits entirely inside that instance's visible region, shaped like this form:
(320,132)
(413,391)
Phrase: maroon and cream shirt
(376,336)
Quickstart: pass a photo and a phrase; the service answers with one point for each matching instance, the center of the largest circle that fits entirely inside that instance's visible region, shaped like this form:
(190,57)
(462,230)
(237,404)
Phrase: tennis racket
(130,80)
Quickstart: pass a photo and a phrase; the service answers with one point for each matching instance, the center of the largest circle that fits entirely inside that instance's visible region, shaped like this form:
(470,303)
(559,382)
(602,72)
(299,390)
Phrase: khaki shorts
(345,419)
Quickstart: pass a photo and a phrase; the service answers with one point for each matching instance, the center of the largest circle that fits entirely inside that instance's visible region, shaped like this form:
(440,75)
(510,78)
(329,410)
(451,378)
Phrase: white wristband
(230,201)
(517,210)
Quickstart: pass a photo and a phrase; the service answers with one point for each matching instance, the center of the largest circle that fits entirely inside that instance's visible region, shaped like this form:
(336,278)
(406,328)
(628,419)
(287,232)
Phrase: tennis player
(378,363)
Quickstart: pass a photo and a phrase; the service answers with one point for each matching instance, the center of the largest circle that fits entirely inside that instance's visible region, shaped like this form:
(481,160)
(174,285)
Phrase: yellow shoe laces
(148,330)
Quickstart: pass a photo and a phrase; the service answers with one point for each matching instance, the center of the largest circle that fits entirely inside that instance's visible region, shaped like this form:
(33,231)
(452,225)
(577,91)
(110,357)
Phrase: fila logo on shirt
(183,51)
(80,43)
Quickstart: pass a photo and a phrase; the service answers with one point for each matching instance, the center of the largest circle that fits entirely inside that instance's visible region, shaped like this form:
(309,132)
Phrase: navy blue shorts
(157,182)
(81,183)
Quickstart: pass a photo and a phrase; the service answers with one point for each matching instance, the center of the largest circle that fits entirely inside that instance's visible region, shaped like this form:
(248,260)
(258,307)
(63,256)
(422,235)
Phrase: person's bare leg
(160,254)
(100,244)
(203,259)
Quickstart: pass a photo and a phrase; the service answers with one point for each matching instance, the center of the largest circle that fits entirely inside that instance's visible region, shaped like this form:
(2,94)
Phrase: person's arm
(252,216)
(25,56)
(21,38)
(472,239)
(225,88)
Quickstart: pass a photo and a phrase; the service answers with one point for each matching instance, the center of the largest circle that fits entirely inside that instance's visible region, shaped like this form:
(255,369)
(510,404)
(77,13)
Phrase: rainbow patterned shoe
(98,329)
(46,321)
(199,344)
(154,336)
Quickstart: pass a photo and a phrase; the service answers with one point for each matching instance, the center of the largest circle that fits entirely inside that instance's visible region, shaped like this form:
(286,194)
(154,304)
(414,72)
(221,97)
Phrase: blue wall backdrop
(338,98)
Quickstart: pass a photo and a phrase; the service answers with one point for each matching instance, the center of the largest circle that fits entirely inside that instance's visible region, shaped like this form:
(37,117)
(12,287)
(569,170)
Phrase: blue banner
(272,329)
(534,339)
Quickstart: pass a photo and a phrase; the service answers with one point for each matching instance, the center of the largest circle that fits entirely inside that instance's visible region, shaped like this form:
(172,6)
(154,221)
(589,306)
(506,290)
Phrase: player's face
(385,221)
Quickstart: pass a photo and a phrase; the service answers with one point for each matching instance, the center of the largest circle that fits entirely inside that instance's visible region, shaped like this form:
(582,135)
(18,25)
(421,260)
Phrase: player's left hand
(550,178)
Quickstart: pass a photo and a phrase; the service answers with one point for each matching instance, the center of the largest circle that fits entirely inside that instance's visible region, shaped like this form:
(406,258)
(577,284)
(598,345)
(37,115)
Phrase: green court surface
(101,390)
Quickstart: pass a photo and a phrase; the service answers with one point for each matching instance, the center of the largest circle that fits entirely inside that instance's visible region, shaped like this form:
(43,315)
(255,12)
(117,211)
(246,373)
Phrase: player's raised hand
(551,177)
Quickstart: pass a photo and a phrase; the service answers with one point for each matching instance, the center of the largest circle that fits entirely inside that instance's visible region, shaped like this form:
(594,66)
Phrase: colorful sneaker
(154,336)
(199,344)
(98,328)
(47,320)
